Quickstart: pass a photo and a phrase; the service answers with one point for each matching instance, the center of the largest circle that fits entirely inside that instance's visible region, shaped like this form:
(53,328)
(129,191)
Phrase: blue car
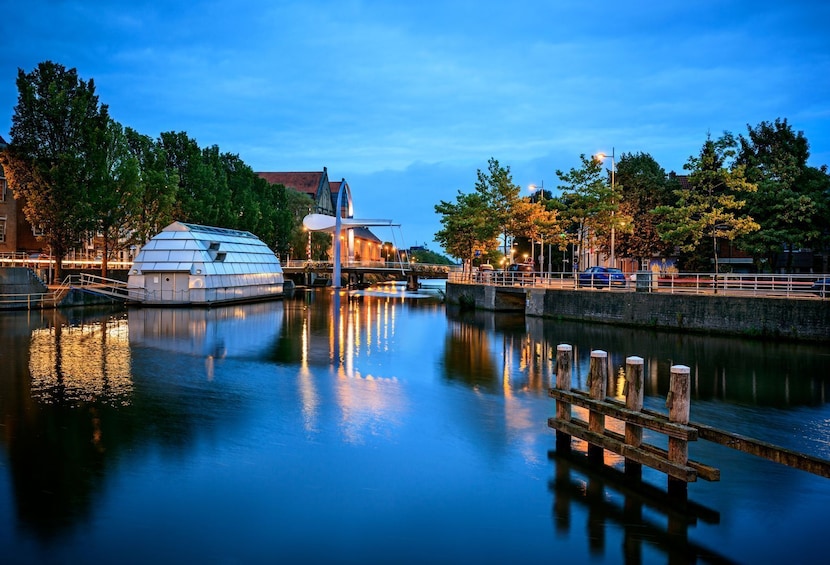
(821,287)
(602,277)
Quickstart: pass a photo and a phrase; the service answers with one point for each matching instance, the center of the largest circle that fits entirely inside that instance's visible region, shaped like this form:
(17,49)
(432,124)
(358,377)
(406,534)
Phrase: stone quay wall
(19,280)
(788,318)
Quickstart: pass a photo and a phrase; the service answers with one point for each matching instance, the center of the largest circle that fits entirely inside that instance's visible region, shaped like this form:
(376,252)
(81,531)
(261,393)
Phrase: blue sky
(406,100)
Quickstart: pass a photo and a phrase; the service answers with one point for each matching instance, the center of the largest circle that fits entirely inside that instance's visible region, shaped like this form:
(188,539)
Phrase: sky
(407,100)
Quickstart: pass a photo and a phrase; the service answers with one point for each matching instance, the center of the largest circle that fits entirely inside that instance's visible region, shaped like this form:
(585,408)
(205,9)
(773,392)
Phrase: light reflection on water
(81,363)
(374,426)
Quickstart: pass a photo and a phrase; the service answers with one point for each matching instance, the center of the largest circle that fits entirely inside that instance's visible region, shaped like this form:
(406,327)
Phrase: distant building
(363,245)
(16,234)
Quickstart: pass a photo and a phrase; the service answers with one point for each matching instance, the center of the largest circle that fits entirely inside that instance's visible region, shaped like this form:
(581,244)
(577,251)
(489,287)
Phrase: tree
(590,203)
(544,224)
(468,227)
(644,188)
(283,213)
(156,189)
(501,198)
(786,205)
(196,194)
(56,123)
(709,207)
(243,209)
(114,190)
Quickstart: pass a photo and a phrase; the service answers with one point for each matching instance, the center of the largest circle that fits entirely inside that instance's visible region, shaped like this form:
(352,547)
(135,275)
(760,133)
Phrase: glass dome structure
(194,264)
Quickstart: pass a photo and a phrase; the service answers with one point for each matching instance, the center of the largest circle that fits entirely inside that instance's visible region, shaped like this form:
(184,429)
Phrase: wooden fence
(674,462)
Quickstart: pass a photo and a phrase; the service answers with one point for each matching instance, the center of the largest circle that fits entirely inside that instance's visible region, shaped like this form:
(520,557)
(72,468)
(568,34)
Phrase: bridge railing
(781,285)
(374,265)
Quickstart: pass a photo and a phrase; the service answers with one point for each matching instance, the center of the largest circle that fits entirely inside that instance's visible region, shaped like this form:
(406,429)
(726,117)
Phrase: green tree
(589,200)
(115,190)
(468,227)
(644,188)
(500,196)
(196,194)
(244,212)
(786,205)
(284,210)
(56,123)
(428,257)
(710,206)
(156,189)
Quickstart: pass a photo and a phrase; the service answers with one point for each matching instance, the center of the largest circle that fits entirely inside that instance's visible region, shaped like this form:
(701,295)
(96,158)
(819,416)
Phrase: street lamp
(536,190)
(600,157)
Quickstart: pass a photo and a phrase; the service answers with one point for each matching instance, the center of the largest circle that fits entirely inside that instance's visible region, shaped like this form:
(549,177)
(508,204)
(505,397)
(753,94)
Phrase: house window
(38,230)
(3,188)
(2,229)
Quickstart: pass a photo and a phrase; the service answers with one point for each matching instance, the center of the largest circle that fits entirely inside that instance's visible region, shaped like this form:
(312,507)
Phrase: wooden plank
(705,472)
(766,450)
(777,454)
(579,429)
(652,421)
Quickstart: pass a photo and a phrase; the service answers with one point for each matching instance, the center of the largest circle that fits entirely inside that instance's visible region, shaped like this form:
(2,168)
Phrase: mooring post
(633,401)
(564,361)
(678,402)
(597,382)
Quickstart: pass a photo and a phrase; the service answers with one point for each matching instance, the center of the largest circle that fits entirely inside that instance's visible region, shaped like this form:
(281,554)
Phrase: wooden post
(564,360)
(597,382)
(678,402)
(633,401)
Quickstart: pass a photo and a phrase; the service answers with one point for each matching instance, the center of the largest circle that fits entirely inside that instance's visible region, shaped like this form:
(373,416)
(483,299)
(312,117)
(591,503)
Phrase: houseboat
(189,264)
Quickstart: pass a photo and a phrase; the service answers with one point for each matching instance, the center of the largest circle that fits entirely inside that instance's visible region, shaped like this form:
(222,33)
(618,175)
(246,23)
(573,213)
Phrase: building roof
(366,234)
(682,179)
(306,182)
(206,250)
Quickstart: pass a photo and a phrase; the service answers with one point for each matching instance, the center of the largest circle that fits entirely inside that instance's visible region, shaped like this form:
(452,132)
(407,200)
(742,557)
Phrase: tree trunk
(105,255)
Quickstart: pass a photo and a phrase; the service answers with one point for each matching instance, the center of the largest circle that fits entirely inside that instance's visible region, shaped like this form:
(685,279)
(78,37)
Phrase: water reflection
(734,370)
(651,521)
(247,330)
(77,362)
(352,337)
(260,426)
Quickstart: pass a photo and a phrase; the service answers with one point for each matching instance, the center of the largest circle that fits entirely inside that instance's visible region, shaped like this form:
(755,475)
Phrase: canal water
(380,426)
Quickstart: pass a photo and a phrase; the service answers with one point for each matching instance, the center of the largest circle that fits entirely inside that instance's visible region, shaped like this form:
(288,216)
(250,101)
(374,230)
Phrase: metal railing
(18,259)
(52,297)
(369,265)
(789,285)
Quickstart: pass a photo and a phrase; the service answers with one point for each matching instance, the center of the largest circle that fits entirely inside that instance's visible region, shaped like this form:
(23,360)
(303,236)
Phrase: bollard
(564,361)
(597,382)
(678,402)
(633,401)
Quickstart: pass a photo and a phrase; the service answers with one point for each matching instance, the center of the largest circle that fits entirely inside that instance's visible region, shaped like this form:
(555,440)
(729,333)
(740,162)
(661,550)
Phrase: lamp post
(600,157)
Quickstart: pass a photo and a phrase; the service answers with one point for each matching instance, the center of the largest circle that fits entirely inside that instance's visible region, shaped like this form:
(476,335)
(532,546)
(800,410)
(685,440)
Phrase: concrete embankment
(19,280)
(22,289)
(788,318)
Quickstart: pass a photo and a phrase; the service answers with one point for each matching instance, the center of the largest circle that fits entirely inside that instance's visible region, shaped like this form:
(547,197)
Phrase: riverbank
(765,318)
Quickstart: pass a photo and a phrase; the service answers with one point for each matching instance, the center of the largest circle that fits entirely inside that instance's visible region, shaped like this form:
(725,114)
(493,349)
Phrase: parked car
(485,272)
(602,277)
(523,268)
(821,287)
